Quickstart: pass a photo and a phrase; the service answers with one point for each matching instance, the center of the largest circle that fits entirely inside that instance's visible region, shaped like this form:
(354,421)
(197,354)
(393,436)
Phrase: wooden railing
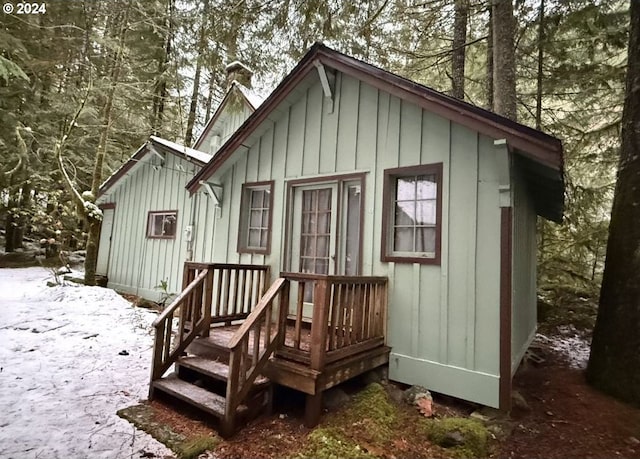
(193,309)
(348,316)
(211,293)
(253,343)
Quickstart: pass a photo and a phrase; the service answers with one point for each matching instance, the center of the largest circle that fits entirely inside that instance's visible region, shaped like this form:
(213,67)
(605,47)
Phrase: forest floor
(564,418)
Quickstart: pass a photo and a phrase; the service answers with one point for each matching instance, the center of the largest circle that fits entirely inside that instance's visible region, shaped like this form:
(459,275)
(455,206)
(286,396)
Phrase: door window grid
(316,231)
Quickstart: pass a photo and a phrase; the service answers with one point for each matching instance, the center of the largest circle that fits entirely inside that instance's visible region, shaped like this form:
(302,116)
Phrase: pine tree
(614,363)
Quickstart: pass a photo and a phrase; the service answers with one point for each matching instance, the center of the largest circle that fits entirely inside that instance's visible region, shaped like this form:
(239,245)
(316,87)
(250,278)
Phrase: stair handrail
(241,379)
(163,355)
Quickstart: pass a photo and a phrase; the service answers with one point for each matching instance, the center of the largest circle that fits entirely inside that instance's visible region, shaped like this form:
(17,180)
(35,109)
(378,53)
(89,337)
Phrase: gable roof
(196,157)
(542,150)
(250,98)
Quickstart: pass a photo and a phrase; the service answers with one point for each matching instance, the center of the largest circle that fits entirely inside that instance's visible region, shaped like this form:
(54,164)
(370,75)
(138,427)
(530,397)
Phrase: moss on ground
(193,447)
(354,431)
(142,417)
(472,436)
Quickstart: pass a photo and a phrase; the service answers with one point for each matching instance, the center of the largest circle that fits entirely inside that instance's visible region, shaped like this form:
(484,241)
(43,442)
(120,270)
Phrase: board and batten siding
(138,264)
(443,321)
(524,300)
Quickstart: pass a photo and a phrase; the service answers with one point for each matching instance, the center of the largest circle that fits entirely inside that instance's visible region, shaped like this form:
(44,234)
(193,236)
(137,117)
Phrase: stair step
(213,368)
(192,394)
(208,348)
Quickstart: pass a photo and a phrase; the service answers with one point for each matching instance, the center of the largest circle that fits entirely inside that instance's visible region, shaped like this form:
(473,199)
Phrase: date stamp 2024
(23,8)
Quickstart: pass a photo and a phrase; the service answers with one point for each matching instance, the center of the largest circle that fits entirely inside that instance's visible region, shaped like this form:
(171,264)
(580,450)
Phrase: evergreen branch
(59,147)
(374,16)
(22,148)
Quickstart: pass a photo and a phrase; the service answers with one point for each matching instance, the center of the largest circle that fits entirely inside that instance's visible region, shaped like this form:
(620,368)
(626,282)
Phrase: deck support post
(313,409)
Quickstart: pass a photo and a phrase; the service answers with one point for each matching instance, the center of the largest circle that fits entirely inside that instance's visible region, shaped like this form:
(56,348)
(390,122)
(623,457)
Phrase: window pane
(308,200)
(265,218)
(405,188)
(352,242)
(426,212)
(322,246)
(308,246)
(254,238)
(403,240)
(255,219)
(322,266)
(307,265)
(169,225)
(264,235)
(324,222)
(157,225)
(324,199)
(405,213)
(256,199)
(426,239)
(266,199)
(426,187)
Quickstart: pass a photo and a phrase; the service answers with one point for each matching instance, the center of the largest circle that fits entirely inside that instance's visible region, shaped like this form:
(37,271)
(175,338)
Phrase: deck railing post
(319,319)
(283,311)
(208,299)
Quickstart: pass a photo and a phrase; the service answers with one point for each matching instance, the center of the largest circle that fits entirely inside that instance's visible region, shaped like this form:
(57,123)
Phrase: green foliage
(473,434)
(194,447)
(10,69)
(331,443)
(368,418)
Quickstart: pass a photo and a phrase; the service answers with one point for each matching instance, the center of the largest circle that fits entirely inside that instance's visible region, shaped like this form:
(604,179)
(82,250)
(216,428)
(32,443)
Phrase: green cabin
(356,219)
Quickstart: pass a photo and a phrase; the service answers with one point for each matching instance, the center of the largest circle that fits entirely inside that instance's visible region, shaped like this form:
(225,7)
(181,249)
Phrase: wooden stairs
(201,378)
(229,335)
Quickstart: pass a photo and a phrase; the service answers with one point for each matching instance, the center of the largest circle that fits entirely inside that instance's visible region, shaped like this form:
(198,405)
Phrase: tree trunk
(92,219)
(540,59)
(160,86)
(489,77)
(461,13)
(614,363)
(202,41)
(504,59)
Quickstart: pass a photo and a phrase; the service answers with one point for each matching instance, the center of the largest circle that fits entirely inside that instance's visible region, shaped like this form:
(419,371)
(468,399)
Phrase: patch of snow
(61,374)
(197,154)
(570,344)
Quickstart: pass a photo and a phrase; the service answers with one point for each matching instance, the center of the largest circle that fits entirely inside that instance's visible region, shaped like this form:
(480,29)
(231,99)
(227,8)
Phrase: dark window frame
(387,253)
(153,213)
(245,215)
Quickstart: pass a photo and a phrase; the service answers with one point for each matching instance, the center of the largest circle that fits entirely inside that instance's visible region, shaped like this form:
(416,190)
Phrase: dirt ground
(566,419)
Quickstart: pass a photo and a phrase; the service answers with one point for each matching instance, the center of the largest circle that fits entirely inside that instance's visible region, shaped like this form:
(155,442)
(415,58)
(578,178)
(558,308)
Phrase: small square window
(162,224)
(254,235)
(412,214)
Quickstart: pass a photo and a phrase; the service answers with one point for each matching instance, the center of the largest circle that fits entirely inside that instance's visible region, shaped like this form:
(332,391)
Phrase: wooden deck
(234,330)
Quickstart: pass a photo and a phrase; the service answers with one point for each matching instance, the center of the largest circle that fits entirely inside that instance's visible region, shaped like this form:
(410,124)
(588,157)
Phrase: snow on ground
(570,344)
(62,378)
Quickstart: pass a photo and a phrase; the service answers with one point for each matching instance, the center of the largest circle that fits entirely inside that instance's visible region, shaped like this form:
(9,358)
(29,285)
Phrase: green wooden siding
(524,312)
(443,323)
(138,264)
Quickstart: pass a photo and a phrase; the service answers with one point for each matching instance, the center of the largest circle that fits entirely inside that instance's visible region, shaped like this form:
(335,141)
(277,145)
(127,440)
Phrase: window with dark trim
(255,218)
(162,224)
(412,214)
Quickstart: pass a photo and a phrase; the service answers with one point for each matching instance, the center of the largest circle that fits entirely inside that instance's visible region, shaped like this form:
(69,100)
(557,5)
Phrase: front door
(325,231)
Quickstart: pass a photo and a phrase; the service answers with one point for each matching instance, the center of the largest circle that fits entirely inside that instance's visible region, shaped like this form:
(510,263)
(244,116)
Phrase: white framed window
(162,224)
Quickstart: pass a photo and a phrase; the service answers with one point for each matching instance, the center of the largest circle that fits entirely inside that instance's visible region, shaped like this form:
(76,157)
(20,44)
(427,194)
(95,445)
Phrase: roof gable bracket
(215,191)
(327,79)
(504,172)
(159,155)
